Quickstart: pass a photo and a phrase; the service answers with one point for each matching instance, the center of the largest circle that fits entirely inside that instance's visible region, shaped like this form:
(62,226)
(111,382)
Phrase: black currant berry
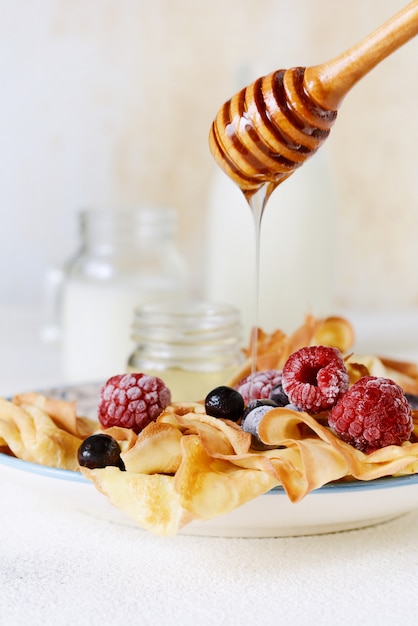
(255,411)
(412,400)
(225,402)
(279,396)
(253,404)
(100,451)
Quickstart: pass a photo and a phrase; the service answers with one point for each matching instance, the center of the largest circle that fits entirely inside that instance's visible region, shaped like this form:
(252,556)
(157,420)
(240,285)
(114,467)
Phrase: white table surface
(59,566)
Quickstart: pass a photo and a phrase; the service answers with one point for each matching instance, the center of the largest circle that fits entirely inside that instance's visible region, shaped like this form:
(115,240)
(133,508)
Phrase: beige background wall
(109,103)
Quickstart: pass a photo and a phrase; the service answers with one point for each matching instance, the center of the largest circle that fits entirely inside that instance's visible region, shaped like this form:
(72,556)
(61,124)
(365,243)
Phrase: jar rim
(188,322)
(143,221)
(195,308)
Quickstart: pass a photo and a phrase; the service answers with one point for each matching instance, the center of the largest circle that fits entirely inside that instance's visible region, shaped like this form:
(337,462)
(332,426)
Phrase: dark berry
(314,378)
(132,401)
(225,402)
(258,385)
(372,414)
(252,419)
(412,400)
(100,451)
(253,404)
(292,407)
(279,396)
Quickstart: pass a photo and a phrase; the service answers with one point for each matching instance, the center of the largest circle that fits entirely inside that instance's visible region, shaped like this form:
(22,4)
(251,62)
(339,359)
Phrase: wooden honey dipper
(269,129)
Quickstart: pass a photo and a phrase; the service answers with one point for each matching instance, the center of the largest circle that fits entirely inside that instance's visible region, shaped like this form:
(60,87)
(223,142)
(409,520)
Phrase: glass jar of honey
(193,346)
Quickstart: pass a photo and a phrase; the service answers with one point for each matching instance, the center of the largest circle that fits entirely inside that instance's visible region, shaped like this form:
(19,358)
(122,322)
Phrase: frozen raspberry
(372,414)
(258,385)
(132,401)
(314,378)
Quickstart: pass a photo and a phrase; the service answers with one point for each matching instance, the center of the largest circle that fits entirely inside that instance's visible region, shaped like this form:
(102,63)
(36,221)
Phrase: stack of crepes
(189,466)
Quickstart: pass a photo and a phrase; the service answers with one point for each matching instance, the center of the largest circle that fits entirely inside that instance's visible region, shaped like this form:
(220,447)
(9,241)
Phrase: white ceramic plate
(334,507)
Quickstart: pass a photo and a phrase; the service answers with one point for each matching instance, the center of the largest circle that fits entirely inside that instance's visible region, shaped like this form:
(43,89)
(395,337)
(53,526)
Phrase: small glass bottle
(126,258)
(193,346)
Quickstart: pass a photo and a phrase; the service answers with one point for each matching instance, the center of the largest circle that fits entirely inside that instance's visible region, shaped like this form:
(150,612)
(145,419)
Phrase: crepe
(207,467)
(43,430)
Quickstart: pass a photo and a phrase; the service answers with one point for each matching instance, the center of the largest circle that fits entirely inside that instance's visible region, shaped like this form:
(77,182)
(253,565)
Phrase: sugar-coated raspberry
(372,414)
(314,378)
(132,401)
(258,385)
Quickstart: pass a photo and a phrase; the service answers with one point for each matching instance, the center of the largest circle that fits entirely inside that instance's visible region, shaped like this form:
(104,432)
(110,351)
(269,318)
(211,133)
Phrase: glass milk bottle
(126,258)
(297,242)
(194,346)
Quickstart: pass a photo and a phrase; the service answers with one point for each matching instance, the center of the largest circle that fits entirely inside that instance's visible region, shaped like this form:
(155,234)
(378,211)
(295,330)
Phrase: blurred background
(109,104)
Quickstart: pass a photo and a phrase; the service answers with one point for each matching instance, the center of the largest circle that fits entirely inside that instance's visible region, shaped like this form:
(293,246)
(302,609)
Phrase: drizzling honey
(270,128)
(257,203)
(259,138)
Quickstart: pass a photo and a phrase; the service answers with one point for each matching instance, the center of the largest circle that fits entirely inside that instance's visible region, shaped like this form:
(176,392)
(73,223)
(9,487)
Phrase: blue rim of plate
(42,470)
(336,487)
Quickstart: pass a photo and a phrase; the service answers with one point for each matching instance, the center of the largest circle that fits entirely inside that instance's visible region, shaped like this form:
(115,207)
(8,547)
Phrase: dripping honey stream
(270,128)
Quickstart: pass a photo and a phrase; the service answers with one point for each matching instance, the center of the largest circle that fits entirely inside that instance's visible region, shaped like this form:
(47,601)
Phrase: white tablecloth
(62,567)
(59,566)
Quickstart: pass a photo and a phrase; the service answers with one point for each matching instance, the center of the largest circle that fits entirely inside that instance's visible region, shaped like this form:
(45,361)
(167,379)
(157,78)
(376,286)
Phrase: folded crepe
(43,430)
(191,466)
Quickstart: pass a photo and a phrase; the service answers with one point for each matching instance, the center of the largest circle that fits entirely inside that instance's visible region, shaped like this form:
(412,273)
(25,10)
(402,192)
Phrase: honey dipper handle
(329,82)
